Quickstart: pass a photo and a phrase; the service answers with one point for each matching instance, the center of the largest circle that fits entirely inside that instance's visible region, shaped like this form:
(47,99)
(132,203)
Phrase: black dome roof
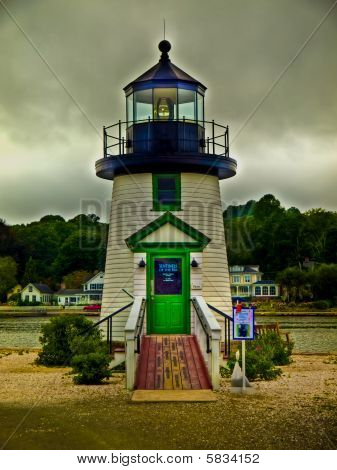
(165,70)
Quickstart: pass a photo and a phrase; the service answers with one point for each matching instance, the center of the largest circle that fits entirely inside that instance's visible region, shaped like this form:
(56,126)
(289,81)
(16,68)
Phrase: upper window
(165,103)
(129,109)
(187,104)
(166,192)
(247,278)
(200,101)
(143,105)
(236,279)
(30,289)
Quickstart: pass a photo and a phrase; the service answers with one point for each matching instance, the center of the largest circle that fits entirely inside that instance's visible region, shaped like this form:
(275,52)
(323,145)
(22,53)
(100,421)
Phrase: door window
(167,276)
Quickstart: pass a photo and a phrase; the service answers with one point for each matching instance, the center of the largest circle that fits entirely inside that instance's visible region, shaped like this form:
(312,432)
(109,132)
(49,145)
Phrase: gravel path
(296,411)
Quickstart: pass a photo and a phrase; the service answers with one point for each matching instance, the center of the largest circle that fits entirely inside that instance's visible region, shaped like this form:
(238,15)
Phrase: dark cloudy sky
(237,48)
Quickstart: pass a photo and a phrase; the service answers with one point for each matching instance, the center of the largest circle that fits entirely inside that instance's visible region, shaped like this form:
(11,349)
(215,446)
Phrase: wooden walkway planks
(171,362)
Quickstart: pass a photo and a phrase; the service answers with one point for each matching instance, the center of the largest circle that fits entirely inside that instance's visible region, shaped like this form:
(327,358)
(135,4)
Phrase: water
(23,332)
(310,334)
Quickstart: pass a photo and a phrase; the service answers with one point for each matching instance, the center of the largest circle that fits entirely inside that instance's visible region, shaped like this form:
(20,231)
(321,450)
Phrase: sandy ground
(40,408)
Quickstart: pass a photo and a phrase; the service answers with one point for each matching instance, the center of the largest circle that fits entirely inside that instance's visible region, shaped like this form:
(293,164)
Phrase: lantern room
(165,109)
(165,127)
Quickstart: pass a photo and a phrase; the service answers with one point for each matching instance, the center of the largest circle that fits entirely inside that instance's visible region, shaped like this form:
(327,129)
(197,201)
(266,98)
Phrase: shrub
(321,304)
(57,337)
(90,361)
(263,355)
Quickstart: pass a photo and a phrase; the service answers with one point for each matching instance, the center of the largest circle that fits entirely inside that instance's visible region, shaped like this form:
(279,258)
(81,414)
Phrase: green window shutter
(166,192)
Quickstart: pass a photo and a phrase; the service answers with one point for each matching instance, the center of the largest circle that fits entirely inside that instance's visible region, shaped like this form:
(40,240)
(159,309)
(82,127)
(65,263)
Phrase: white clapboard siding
(131,210)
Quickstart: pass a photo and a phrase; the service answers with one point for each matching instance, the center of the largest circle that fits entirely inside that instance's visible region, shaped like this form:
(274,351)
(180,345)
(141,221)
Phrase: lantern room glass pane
(143,105)
(129,109)
(187,104)
(165,104)
(200,109)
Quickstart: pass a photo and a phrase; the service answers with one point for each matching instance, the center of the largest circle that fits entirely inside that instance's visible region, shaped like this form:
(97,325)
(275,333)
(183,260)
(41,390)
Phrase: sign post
(243,330)
(243,344)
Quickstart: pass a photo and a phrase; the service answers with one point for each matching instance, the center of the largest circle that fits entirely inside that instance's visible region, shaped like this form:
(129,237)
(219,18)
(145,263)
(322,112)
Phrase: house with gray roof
(34,292)
(91,292)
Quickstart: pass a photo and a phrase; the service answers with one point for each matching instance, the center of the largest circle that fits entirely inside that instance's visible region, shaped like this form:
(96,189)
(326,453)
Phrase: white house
(91,292)
(37,293)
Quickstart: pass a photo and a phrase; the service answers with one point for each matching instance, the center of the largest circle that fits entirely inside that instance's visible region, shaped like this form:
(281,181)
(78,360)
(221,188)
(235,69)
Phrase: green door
(168,294)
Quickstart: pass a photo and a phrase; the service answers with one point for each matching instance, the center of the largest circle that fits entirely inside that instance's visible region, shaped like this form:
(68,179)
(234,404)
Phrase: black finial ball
(164,46)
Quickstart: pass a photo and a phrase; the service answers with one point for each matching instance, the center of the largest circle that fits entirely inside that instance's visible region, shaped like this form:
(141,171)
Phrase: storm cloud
(64,64)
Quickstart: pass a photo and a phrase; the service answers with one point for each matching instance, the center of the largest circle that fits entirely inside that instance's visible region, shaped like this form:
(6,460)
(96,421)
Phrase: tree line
(298,249)
(50,249)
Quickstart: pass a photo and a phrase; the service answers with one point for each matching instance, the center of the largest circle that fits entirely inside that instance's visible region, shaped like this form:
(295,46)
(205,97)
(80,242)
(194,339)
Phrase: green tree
(8,272)
(294,281)
(76,279)
(267,206)
(31,272)
(324,282)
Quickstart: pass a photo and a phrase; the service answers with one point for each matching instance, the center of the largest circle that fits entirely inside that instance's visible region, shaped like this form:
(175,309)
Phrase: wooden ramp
(171,363)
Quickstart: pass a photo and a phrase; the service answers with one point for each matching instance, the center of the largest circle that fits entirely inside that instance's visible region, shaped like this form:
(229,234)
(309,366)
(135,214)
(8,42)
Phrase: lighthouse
(166,244)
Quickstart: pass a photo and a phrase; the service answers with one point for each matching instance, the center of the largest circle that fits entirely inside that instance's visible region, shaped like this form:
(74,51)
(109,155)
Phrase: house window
(247,278)
(272,290)
(96,286)
(244,289)
(236,279)
(257,290)
(26,298)
(265,290)
(30,289)
(166,192)
(34,298)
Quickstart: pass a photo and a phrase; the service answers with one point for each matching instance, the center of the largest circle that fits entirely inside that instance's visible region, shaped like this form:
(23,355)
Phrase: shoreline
(40,313)
(297,314)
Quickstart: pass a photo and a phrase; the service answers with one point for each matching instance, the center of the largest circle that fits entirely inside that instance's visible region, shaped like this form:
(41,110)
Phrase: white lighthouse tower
(166,244)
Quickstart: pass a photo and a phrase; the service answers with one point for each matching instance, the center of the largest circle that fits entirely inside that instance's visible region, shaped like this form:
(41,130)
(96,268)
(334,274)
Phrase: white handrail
(206,323)
(130,331)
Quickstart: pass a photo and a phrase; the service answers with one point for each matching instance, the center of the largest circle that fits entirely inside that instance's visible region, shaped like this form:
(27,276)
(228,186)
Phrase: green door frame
(185,255)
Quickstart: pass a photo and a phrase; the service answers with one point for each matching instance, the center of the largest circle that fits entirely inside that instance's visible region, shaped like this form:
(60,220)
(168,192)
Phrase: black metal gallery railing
(153,135)
(108,320)
(228,320)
